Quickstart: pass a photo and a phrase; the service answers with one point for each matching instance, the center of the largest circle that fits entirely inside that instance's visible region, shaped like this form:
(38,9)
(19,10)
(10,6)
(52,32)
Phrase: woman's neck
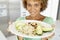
(37,17)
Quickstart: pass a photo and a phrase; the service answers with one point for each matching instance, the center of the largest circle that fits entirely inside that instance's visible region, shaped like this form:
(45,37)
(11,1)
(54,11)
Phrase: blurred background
(10,11)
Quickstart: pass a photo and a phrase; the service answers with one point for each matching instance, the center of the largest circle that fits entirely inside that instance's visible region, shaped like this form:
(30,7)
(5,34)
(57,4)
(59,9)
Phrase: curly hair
(43,4)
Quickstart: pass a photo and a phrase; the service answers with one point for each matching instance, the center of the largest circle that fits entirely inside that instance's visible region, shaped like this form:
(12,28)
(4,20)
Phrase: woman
(34,7)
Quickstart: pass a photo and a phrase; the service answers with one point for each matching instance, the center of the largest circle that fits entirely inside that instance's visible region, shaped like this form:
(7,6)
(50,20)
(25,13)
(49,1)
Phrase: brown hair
(43,4)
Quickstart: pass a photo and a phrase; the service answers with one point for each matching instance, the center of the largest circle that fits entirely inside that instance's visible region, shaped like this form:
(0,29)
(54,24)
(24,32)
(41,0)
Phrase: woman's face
(33,7)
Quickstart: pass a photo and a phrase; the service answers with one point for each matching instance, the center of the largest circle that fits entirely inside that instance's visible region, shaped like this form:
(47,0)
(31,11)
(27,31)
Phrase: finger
(10,22)
(45,38)
(51,35)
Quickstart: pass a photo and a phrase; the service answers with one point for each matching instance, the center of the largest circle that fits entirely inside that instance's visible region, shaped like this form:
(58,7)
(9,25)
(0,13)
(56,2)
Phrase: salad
(32,28)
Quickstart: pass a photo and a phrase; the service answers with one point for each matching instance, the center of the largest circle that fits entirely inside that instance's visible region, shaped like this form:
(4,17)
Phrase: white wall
(14,9)
(14,0)
(3,10)
(51,10)
(13,14)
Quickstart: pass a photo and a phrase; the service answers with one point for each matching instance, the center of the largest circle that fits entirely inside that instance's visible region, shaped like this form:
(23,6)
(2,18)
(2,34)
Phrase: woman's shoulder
(49,20)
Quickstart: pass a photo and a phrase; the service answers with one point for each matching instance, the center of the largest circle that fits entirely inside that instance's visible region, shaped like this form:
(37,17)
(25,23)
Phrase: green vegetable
(18,28)
(47,29)
(39,30)
(19,25)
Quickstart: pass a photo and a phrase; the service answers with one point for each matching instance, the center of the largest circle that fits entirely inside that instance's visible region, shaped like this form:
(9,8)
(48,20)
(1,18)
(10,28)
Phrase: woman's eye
(29,4)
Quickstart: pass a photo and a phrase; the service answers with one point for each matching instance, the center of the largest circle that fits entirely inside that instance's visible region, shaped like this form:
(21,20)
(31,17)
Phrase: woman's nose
(32,8)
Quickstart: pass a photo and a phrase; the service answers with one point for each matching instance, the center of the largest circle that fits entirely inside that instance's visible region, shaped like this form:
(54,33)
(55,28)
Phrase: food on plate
(47,29)
(32,28)
(39,30)
(19,25)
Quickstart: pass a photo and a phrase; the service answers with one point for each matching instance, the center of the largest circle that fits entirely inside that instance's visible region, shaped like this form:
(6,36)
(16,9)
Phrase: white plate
(13,30)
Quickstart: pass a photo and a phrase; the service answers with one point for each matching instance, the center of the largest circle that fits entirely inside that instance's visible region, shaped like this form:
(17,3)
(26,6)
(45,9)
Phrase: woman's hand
(53,26)
(51,35)
(46,38)
(9,23)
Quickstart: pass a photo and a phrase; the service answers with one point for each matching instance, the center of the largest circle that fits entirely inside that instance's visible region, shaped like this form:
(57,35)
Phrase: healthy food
(32,28)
